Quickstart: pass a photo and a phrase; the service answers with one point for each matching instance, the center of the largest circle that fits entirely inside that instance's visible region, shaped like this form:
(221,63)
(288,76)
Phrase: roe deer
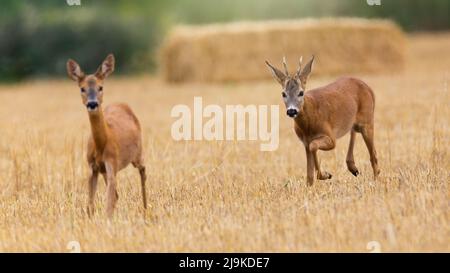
(115,140)
(327,113)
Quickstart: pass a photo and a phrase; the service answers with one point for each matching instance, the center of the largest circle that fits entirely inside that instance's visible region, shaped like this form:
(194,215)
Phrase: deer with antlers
(327,113)
(115,140)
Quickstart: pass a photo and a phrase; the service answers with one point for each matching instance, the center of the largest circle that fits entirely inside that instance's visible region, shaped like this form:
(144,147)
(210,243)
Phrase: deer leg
(111,192)
(92,189)
(140,166)
(105,178)
(322,143)
(350,160)
(367,133)
(309,167)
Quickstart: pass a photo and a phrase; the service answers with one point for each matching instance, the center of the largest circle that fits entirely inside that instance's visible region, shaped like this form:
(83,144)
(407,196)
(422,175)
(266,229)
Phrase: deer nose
(292,112)
(92,105)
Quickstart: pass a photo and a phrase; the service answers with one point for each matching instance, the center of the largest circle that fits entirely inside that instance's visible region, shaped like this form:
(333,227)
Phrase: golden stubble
(229,196)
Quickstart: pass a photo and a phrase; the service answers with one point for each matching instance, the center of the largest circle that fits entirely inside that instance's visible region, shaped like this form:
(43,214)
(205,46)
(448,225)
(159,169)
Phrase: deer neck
(303,119)
(99,129)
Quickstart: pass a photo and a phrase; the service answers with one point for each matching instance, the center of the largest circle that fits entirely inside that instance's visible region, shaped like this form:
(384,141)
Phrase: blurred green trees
(37,37)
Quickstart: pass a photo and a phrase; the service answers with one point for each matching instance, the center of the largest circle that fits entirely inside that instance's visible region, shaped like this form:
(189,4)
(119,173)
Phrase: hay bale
(236,51)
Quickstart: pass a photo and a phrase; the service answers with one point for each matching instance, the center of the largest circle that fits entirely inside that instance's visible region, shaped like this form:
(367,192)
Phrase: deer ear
(106,68)
(277,74)
(303,76)
(74,71)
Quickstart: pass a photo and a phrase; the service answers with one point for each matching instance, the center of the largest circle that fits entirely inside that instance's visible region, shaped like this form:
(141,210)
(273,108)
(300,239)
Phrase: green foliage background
(37,37)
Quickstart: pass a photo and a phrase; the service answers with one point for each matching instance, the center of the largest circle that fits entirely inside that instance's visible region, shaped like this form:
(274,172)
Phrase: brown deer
(115,139)
(327,113)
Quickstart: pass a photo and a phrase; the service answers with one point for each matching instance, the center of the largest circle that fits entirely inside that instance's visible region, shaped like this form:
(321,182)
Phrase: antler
(285,66)
(299,66)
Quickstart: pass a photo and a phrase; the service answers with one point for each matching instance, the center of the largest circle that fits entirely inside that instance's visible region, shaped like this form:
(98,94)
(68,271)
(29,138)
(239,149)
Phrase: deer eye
(100,88)
(300,94)
(283,94)
(83,90)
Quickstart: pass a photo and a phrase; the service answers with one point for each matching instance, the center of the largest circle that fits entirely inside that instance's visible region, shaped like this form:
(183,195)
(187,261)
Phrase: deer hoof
(90,211)
(376,174)
(353,170)
(324,175)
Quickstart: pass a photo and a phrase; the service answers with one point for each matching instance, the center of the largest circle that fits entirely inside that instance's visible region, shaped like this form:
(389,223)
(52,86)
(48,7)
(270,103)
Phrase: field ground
(226,196)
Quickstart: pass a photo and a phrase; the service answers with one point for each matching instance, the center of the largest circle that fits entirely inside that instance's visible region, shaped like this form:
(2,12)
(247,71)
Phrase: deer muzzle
(292,112)
(92,101)
(92,105)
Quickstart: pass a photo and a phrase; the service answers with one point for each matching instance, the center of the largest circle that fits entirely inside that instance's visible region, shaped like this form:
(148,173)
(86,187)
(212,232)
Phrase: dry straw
(236,51)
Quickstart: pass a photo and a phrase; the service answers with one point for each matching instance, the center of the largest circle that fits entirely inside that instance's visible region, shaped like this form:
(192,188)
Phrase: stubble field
(230,196)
